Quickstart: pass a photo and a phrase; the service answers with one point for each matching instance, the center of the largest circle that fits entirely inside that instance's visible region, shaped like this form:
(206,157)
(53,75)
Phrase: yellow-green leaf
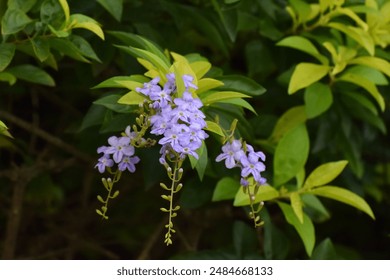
(265,193)
(132,98)
(325,173)
(296,204)
(83,21)
(206,84)
(306,74)
(132,85)
(373,62)
(214,127)
(344,196)
(366,84)
(200,68)
(65,8)
(217,96)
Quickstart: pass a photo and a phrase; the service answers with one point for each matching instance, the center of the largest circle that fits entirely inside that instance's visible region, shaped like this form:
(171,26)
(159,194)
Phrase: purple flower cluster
(178,120)
(244,156)
(120,152)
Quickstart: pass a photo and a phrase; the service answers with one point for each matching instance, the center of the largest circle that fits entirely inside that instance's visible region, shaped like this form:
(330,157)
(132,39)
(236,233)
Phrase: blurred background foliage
(51,57)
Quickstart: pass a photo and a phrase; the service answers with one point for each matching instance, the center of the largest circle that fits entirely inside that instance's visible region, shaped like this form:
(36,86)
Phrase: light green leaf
(13,21)
(241,103)
(181,67)
(206,84)
(7,51)
(65,8)
(32,74)
(289,120)
(361,36)
(325,174)
(318,98)
(296,204)
(114,7)
(85,22)
(302,9)
(373,62)
(303,44)
(370,73)
(226,189)
(41,48)
(306,74)
(7,77)
(291,154)
(366,84)
(200,68)
(132,98)
(219,96)
(241,84)
(305,229)
(116,82)
(264,193)
(214,127)
(344,196)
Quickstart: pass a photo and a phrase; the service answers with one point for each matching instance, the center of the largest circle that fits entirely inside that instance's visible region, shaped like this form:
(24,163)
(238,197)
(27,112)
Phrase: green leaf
(306,74)
(65,8)
(302,9)
(366,84)
(296,204)
(325,174)
(325,251)
(318,99)
(32,74)
(53,14)
(289,120)
(122,81)
(66,47)
(305,229)
(303,44)
(112,102)
(206,84)
(264,193)
(201,163)
(361,36)
(14,20)
(85,22)
(214,127)
(370,73)
(373,62)
(241,84)
(132,98)
(41,48)
(219,96)
(7,77)
(362,101)
(84,47)
(245,240)
(241,103)
(344,196)
(226,189)
(291,154)
(200,68)
(24,5)
(314,206)
(7,51)
(114,7)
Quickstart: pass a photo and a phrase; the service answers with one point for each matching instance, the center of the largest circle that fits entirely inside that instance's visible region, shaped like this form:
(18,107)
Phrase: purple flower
(162,99)
(120,147)
(104,162)
(253,167)
(187,102)
(188,79)
(170,85)
(150,87)
(232,152)
(128,163)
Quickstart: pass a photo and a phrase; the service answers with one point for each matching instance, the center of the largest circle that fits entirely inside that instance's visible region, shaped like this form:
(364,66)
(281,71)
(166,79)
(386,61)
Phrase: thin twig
(152,240)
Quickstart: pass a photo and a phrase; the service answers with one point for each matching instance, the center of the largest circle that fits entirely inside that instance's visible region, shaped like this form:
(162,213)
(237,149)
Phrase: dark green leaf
(318,99)
(7,52)
(291,154)
(52,13)
(201,163)
(67,48)
(325,251)
(32,74)
(24,5)
(114,7)
(14,20)
(111,102)
(241,84)
(244,239)
(7,77)
(41,48)
(84,47)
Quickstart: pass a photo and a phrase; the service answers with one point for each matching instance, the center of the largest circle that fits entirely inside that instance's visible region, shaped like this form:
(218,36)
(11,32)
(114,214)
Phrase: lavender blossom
(104,162)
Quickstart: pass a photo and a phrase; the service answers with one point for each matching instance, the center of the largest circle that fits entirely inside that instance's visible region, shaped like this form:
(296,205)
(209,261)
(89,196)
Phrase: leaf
(325,174)
(373,62)
(366,84)
(201,163)
(200,68)
(318,99)
(289,120)
(65,8)
(314,206)
(241,103)
(306,74)
(291,154)
(53,14)
(114,7)
(24,5)
(305,229)
(214,127)
(67,48)
(41,48)
(7,51)
(264,193)
(13,21)
(85,22)
(296,204)
(241,84)
(361,36)
(245,240)
(362,101)
(303,44)
(112,102)
(132,98)
(122,81)
(325,251)
(206,84)
(84,47)
(371,74)
(225,189)
(219,96)
(32,74)
(7,77)
(344,196)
